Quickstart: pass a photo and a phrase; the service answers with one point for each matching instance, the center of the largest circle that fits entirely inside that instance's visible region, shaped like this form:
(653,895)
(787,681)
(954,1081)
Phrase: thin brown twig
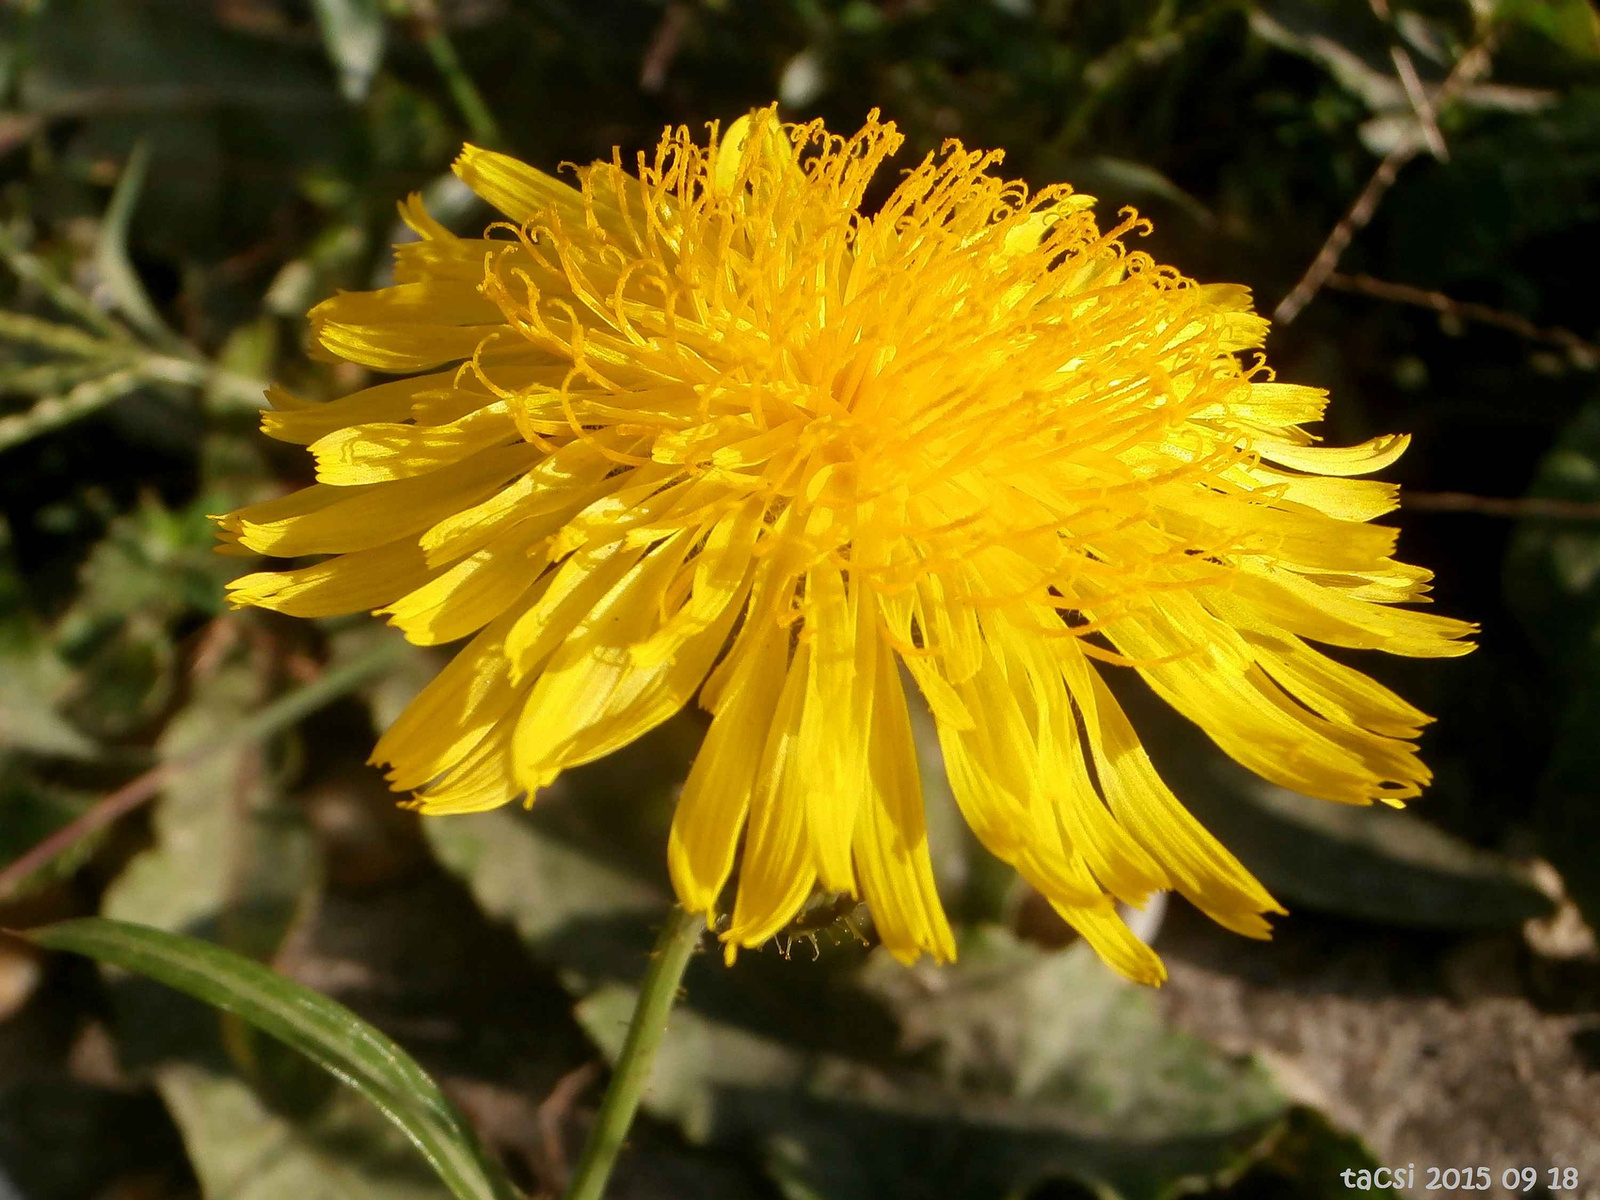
(552,1113)
(211,645)
(104,812)
(1361,212)
(1584,353)
(1516,507)
(1470,67)
(281,714)
(1416,95)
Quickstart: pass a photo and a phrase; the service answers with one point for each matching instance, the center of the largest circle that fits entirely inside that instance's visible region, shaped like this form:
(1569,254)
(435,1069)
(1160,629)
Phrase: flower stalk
(679,937)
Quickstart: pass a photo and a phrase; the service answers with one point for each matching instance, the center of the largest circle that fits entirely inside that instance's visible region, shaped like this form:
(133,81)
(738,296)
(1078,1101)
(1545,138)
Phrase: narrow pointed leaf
(111,254)
(318,1027)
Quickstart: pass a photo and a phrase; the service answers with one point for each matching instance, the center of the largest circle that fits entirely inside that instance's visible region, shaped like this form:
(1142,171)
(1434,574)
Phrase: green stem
(36,271)
(463,91)
(679,937)
(52,412)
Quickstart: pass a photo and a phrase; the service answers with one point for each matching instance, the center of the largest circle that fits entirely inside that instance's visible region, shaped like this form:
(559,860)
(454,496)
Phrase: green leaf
(388,692)
(1305,1158)
(1553,567)
(582,876)
(323,1030)
(231,117)
(1574,25)
(579,914)
(234,858)
(1349,45)
(854,1076)
(230,853)
(243,1150)
(1369,862)
(353,33)
(36,807)
(29,685)
(1016,1068)
(27,726)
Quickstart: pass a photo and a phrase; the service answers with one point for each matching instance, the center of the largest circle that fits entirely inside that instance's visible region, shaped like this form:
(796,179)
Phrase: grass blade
(322,1029)
(111,254)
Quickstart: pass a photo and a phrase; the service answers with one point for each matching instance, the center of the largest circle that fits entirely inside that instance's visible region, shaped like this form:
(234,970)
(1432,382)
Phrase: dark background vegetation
(204,170)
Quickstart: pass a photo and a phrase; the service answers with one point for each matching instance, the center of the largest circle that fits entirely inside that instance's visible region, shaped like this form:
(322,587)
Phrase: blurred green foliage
(181,179)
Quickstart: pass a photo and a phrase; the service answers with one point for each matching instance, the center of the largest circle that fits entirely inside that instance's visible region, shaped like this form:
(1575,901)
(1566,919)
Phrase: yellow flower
(709,427)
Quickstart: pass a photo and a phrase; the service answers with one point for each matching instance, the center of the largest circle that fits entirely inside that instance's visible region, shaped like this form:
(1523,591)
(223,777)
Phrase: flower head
(706,427)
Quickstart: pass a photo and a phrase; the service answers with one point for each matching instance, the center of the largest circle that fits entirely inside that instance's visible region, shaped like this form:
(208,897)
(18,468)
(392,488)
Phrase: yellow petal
(474,592)
(522,192)
(590,697)
(575,588)
(417,218)
(481,780)
(403,347)
(832,753)
(1373,455)
(366,579)
(722,570)
(302,422)
(450,716)
(1205,873)
(333,520)
(1250,718)
(443,302)
(1342,498)
(376,453)
(1322,614)
(1281,404)
(778,870)
(1115,859)
(565,482)
(1114,942)
(993,770)
(1339,692)
(716,798)
(891,840)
